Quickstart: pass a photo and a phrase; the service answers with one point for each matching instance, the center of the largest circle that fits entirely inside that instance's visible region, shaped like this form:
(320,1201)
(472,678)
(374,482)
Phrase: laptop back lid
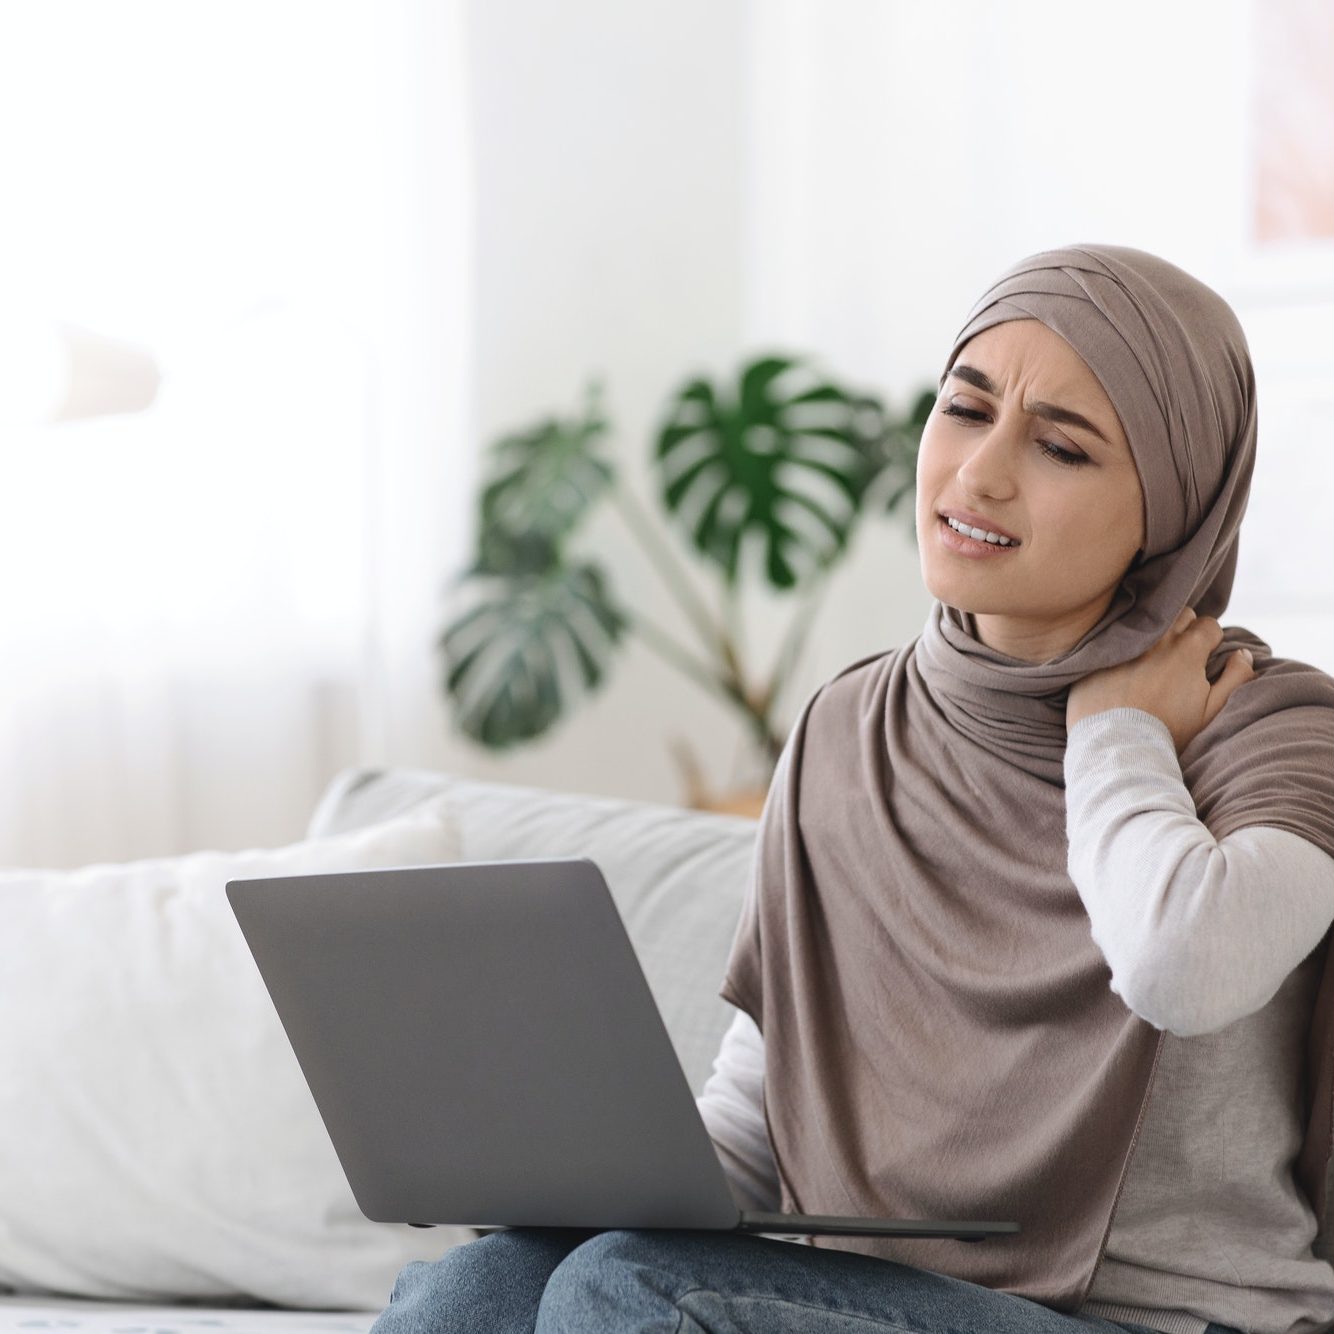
(482,1046)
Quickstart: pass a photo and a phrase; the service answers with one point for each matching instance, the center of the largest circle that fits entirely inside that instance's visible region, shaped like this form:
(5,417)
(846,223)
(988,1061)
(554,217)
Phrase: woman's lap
(557,1282)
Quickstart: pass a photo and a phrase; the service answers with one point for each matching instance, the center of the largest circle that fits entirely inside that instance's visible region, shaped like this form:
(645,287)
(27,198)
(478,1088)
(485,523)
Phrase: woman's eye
(954,410)
(1061,455)
(1054,452)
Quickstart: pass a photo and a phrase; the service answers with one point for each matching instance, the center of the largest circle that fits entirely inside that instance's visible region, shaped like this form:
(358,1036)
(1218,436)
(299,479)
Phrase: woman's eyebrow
(1047,411)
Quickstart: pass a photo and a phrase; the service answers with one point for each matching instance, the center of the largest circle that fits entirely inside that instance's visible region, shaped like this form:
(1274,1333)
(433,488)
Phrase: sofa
(163,1168)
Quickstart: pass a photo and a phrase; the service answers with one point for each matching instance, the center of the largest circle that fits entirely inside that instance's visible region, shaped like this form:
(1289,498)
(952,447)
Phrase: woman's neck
(1036,640)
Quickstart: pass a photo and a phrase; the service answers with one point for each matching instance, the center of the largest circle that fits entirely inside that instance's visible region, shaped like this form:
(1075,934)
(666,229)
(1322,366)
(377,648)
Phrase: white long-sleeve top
(1212,941)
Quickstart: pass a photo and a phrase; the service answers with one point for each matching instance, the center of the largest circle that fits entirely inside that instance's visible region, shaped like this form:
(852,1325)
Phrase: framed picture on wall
(1288,197)
(1284,293)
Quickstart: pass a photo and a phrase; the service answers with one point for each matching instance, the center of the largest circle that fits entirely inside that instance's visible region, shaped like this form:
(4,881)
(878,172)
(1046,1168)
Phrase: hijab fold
(941,1039)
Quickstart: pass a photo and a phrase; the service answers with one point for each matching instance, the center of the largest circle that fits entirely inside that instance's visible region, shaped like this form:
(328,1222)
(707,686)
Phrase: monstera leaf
(784,463)
(899,452)
(537,639)
(513,555)
(787,460)
(543,481)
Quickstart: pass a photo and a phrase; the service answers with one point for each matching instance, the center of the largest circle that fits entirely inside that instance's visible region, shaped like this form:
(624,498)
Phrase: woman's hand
(1168,681)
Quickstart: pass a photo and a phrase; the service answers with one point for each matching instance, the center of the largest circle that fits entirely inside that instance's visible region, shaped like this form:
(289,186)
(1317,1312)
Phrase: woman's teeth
(979,534)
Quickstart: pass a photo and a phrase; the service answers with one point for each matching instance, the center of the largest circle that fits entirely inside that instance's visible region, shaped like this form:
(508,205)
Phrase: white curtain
(208,608)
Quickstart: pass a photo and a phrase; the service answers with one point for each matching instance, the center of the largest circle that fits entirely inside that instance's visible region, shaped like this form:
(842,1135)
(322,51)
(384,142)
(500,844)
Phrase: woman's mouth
(965,545)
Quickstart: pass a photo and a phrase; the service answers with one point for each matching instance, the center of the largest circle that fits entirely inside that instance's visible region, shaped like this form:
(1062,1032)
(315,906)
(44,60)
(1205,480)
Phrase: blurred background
(276,276)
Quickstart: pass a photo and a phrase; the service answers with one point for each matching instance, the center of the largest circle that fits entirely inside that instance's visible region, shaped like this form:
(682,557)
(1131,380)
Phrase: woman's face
(1006,451)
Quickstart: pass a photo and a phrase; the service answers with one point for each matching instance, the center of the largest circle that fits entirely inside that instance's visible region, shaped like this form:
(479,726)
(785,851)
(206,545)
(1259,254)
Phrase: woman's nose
(989,468)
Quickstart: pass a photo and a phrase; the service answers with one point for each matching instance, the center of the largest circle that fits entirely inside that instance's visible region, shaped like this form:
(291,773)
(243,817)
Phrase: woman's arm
(732,1106)
(1198,932)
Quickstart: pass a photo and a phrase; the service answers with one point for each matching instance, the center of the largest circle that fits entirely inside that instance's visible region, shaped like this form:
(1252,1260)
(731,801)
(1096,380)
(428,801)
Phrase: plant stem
(726,679)
(795,640)
(733,648)
(728,690)
(666,647)
(641,528)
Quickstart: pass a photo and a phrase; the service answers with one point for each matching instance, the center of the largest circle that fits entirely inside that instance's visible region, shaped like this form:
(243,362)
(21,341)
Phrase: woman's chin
(963,599)
(956,593)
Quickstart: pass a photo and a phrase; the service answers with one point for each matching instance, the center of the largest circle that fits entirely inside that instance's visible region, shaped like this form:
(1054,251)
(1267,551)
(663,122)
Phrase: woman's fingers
(1205,631)
(1238,671)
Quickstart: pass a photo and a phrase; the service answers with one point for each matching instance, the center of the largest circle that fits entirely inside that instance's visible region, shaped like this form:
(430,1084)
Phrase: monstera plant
(766,480)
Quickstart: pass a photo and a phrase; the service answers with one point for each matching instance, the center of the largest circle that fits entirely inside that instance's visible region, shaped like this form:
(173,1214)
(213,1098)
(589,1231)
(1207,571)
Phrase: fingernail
(1249,656)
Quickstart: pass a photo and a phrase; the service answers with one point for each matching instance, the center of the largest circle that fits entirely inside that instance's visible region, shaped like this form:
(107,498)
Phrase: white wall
(668,186)
(430,229)
(607,141)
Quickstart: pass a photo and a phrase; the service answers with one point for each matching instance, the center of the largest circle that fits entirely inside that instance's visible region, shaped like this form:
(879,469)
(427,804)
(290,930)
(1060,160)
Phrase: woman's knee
(615,1278)
(419,1300)
(498,1277)
(420,1278)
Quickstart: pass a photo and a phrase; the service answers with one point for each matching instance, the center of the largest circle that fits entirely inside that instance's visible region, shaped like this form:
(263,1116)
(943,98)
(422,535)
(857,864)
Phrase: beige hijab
(941,1040)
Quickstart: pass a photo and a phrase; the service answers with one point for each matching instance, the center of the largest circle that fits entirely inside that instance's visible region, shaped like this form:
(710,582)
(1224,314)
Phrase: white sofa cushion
(678,876)
(160,1142)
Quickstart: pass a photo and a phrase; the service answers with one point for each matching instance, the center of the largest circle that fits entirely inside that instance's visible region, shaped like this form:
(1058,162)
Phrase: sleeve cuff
(1136,724)
(1116,740)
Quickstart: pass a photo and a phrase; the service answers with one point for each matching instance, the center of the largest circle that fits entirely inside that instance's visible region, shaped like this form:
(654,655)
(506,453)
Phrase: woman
(1038,922)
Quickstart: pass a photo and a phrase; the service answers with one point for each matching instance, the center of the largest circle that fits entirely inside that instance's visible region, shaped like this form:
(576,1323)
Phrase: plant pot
(741,801)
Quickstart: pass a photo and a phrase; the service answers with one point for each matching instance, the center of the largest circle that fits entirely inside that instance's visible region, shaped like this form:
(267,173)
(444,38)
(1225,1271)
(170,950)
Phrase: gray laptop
(484,1049)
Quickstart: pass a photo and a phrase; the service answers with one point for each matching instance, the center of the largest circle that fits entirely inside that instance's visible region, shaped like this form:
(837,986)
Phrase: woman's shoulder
(858,678)
(840,704)
(1285,696)
(1267,758)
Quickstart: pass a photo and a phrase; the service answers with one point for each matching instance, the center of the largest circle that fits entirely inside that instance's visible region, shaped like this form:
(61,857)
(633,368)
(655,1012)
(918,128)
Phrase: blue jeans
(551,1281)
